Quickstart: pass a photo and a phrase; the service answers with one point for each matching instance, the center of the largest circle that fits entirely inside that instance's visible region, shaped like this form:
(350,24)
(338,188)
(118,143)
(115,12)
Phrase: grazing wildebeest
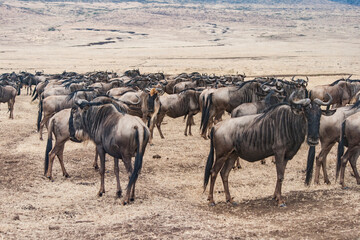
(8,94)
(350,137)
(120,135)
(329,134)
(278,132)
(59,127)
(226,99)
(53,104)
(178,105)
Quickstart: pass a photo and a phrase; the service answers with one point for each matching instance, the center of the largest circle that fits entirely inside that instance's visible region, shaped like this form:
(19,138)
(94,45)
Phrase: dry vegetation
(316,39)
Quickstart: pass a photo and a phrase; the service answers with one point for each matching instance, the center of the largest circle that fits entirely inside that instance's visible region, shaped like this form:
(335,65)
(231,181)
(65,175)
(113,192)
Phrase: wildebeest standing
(278,132)
(178,105)
(226,99)
(8,94)
(117,134)
(329,134)
(59,128)
(350,137)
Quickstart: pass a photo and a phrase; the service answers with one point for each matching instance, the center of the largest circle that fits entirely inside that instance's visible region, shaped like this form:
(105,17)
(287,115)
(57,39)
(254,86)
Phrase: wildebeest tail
(310,164)
(340,152)
(33,93)
(210,160)
(206,114)
(141,144)
(39,114)
(48,145)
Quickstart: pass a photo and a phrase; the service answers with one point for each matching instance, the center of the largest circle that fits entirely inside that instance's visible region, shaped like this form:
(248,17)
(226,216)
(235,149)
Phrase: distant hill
(271,2)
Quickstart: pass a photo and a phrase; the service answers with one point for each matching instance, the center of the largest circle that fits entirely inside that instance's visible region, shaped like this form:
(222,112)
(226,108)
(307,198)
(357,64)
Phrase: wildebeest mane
(336,82)
(271,108)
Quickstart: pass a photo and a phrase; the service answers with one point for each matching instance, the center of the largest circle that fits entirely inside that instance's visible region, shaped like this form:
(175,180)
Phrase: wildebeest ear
(328,112)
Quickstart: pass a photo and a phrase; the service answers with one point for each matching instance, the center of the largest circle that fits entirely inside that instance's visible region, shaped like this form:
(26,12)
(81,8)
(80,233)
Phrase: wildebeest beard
(151,102)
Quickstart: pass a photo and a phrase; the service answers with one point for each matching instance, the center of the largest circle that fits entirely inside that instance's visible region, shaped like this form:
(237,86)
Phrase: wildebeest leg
(11,107)
(344,161)
(353,160)
(153,120)
(219,163)
(95,164)
(127,162)
(321,162)
(263,161)
(159,120)
(116,171)
(51,161)
(101,153)
(43,122)
(225,175)
(60,155)
(237,164)
(188,124)
(280,170)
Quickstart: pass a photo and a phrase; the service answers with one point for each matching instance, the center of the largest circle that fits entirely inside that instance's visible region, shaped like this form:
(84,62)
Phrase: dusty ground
(256,39)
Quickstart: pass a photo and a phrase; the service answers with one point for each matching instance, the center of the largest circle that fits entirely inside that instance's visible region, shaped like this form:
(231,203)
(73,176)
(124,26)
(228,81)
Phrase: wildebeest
(278,132)
(54,104)
(120,135)
(226,99)
(8,94)
(342,91)
(59,128)
(177,105)
(329,134)
(350,137)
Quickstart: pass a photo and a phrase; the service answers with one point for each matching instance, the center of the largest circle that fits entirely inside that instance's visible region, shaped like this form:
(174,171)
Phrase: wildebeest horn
(292,79)
(328,103)
(349,77)
(303,102)
(307,79)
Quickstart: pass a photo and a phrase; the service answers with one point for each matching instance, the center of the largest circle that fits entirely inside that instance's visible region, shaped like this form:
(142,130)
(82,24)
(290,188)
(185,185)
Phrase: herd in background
(269,117)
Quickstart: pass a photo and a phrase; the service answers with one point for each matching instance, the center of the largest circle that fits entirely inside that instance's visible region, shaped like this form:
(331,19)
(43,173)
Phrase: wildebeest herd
(269,117)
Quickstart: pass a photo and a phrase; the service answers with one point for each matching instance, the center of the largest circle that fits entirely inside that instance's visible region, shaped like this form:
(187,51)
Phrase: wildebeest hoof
(345,188)
(96,167)
(119,194)
(233,203)
(66,175)
(100,194)
(211,204)
(124,202)
(282,205)
(132,199)
(327,182)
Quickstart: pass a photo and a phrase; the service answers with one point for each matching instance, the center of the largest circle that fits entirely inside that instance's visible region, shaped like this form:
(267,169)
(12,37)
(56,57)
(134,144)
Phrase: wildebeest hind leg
(225,171)
(353,160)
(219,163)
(95,164)
(60,155)
(116,171)
(127,162)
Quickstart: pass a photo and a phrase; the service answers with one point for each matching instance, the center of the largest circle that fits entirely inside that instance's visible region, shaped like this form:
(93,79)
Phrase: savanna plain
(318,39)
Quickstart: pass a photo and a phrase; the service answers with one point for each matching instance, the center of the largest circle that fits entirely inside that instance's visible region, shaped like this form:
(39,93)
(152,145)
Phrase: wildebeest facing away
(350,137)
(278,132)
(117,134)
(8,94)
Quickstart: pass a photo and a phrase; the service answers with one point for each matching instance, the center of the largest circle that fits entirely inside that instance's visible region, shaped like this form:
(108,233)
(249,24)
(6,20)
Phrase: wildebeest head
(76,123)
(312,112)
